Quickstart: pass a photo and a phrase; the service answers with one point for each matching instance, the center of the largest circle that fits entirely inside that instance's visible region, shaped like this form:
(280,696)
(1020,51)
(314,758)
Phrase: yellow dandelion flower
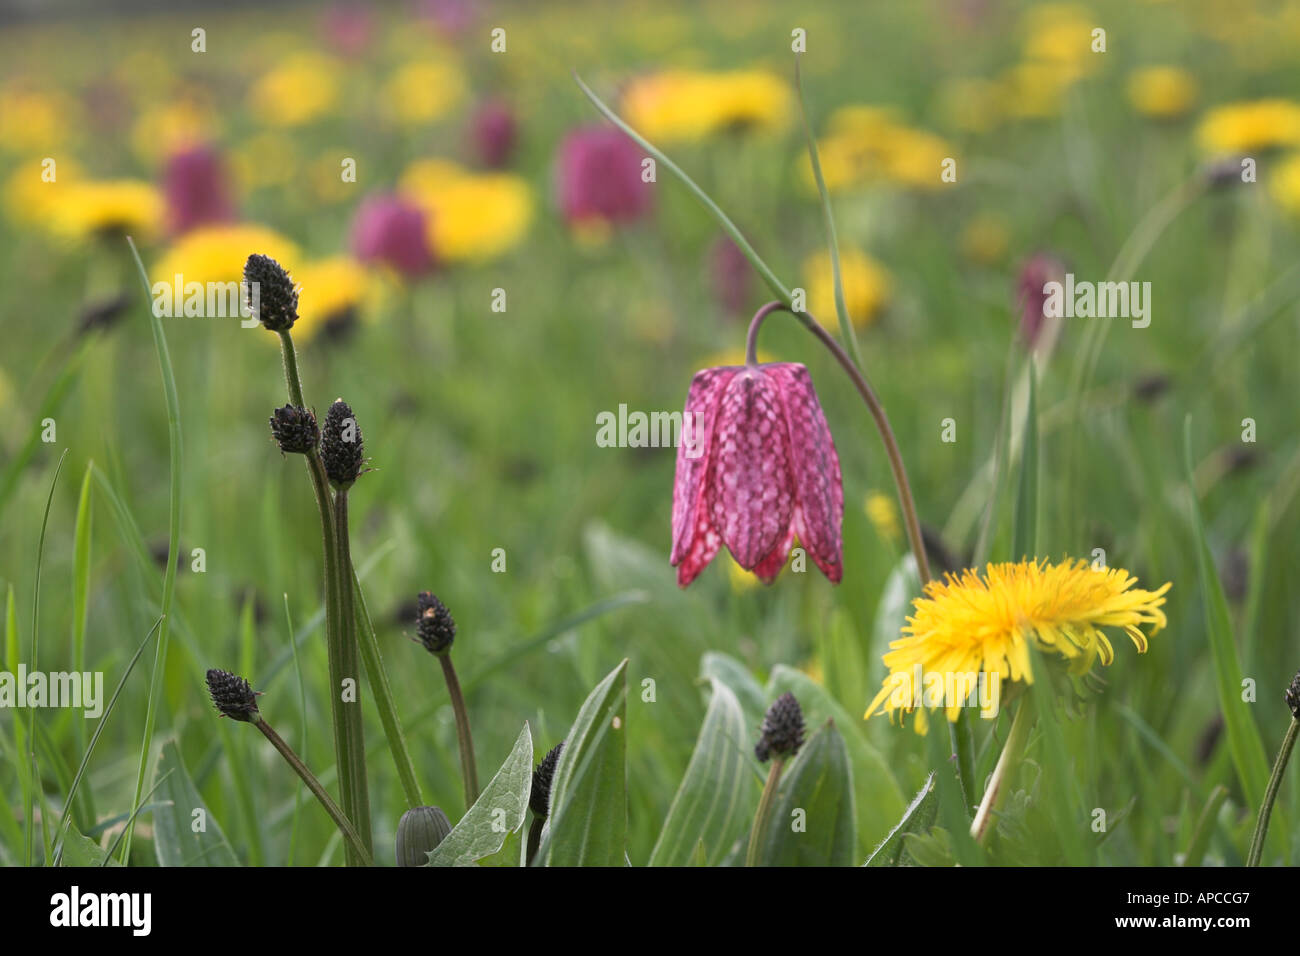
(686,105)
(422,92)
(1284,184)
(218,253)
(883,514)
(1161,92)
(32,191)
(473,217)
(868,143)
(171,127)
(87,208)
(298,91)
(267,159)
(866,287)
(972,104)
(1035,90)
(329,291)
(34,120)
(985,624)
(1255,124)
(1060,35)
(985,240)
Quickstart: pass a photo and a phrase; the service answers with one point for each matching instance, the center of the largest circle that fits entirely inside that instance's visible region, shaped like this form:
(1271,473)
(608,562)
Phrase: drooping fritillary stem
(877,410)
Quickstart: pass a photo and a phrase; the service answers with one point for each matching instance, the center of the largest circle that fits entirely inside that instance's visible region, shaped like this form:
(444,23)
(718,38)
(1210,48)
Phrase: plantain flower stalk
(233,697)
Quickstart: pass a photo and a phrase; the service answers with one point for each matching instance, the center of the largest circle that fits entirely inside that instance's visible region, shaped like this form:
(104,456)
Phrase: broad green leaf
(917,818)
(716,798)
(498,812)
(879,798)
(177,838)
(933,848)
(79,850)
(811,822)
(714,665)
(1244,741)
(588,820)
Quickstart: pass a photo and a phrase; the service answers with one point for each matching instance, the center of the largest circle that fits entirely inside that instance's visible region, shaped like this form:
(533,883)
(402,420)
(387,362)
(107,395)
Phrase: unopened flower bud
(294,429)
(232,696)
(435,625)
(419,832)
(539,800)
(271,295)
(782,732)
(340,446)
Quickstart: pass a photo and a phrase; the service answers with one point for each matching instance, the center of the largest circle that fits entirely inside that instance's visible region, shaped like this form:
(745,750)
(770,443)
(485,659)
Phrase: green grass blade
(383,693)
(1205,827)
(173,544)
(841,308)
(99,729)
(35,782)
(1244,741)
(80,602)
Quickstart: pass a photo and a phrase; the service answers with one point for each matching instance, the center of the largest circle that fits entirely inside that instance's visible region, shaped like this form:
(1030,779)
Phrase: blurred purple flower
(756,466)
(493,131)
(1038,270)
(391,230)
(348,28)
(196,187)
(600,177)
(450,17)
(730,273)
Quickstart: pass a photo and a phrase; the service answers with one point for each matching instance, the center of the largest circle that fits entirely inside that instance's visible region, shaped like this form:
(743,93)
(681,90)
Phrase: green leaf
(482,831)
(917,818)
(929,849)
(79,850)
(1244,741)
(588,820)
(716,798)
(175,839)
(714,665)
(879,798)
(1024,538)
(812,820)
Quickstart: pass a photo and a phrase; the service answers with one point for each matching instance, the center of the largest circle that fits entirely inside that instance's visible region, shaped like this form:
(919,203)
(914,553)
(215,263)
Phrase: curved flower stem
(340,819)
(764,808)
(1270,795)
(877,413)
(997,788)
(468,767)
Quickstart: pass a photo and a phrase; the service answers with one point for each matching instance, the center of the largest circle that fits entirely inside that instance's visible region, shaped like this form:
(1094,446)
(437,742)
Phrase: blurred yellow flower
(883,514)
(86,208)
(1161,92)
(1252,124)
(218,253)
(1284,184)
(30,195)
(973,104)
(269,158)
(329,291)
(868,143)
(985,240)
(297,91)
(1060,35)
(1034,90)
(422,92)
(679,105)
(734,356)
(866,287)
(473,217)
(171,127)
(35,120)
